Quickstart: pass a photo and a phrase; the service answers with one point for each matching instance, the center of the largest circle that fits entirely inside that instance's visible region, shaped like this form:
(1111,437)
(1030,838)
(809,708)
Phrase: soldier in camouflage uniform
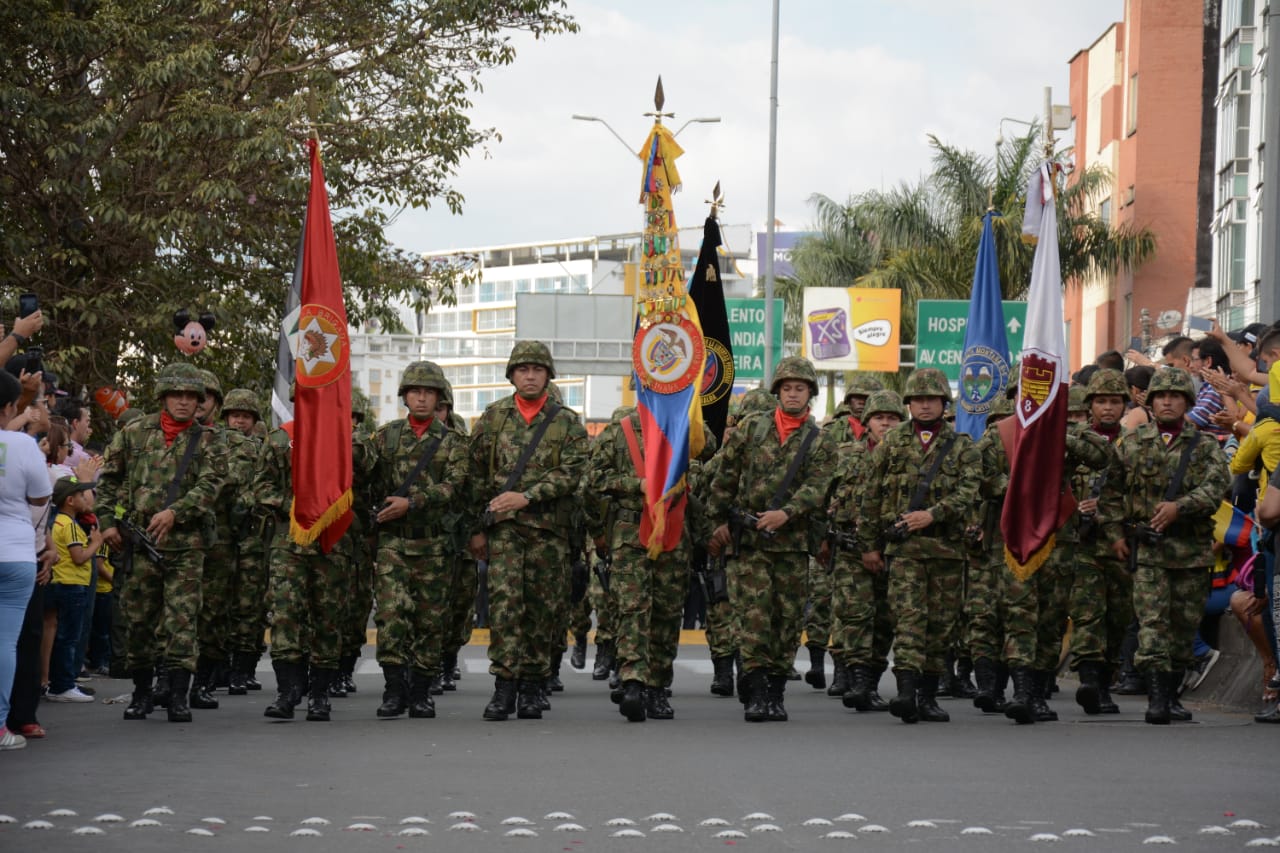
(140,478)
(561,607)
(462,592)
(768,571)
(1172,537)
(596,509)
(359,604)
(420,482)
(1102,591)
(524,525)
(241,413)
(308,588)
(863,621)
(919,542)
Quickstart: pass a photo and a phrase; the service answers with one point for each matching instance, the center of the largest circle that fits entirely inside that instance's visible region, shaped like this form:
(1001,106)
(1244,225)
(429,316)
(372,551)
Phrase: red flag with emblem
(322,399)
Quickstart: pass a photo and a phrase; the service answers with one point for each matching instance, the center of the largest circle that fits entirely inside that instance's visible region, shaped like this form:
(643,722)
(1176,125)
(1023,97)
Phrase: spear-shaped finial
(659,101)
(716,201)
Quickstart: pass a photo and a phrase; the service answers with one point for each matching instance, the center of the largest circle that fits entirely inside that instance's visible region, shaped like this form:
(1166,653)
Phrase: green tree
(151,158)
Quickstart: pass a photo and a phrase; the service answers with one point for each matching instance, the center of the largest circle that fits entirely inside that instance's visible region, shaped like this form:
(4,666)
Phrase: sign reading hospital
(852,328)
(746,330)
(940,326)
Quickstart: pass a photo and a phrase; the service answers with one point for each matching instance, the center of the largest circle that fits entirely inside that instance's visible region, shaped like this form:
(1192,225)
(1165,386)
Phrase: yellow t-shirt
(65,534)
(104,565)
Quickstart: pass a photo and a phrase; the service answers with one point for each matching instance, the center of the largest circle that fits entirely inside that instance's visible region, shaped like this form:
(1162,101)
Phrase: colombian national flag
(1232,527)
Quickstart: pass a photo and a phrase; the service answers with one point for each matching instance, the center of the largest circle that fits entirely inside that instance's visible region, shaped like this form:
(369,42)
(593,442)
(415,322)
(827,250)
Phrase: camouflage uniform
(862,620)
(1173,574)
(416,554)
(926,569)
(527,549)
(767,577)
(596,509)
(1102,590)
(462,593)
(249,584)
(162,603)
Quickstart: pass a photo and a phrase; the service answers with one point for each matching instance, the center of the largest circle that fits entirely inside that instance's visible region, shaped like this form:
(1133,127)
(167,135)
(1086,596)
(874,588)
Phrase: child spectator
(70,589)
(98,660)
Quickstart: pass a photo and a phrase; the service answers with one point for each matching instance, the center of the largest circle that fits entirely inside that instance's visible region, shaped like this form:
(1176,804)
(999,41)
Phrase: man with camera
(1159,519)
(922,485)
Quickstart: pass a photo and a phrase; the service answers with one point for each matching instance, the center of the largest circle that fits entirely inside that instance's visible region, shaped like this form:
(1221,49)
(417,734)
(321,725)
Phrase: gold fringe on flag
(1023,572)
(308,535)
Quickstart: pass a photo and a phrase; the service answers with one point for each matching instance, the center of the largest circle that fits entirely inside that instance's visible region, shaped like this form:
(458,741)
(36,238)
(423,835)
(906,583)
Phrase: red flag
(1034,501)
(322,400)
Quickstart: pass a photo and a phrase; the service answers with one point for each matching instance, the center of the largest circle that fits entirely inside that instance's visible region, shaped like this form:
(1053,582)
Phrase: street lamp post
(618,136)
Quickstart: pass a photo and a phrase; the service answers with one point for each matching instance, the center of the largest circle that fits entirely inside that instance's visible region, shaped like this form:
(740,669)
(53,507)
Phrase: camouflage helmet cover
(446,394)
(927,382)
(211,384)
(177,377)
(795,367)
(1106,382)
(242,400)
(883,403)
(1076,401)
(1001,406)
(863,385)
(757,400)
(531,352)
(1172,379)
(422,374)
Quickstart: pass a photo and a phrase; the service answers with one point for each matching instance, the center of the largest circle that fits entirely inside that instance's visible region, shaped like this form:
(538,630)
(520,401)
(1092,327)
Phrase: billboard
(852,328)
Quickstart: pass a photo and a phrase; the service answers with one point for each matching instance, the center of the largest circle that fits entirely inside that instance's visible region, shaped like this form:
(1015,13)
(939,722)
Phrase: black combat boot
(347,671)
(1002,681)
(237,676)
(1089,693)
(140,704)
(1042,679)
(554,683)
(1106,705)
(858,696)
(578,657)
(529,700)
(740,680)
(927,700)
(286,676)
(1177,713)
(436,686)
(632,705)
(503,703)
(395,690)
(839,678)
(615,679)
(903,706)
(1021,708)
(722,680)
(318,694)
(201,698)
(987,674)
(774,710)
(755,696)
(656,706)
(873,695)
(448,664)
(179,684)
(421,705)
(544,694)
(160,694)
(961,686)
(251,669)
(816,677)
(1158,698)
(604,661)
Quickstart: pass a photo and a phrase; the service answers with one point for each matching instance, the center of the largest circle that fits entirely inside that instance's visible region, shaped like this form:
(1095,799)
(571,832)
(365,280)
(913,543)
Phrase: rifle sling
(423,461)
(1175,485)
(922,489)
(549,413)
(784,487)
(183,464)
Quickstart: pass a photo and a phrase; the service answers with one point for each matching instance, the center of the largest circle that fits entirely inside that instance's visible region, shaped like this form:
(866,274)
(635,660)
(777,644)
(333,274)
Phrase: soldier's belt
(631,516)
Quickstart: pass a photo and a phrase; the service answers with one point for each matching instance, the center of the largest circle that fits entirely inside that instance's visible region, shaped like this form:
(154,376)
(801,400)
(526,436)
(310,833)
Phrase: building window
(1104,211)
(580,284)
(1131,117)
(490,321)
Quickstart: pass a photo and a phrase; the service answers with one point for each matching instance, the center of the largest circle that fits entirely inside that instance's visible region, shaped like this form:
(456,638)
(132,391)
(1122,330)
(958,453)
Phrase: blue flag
(984,366)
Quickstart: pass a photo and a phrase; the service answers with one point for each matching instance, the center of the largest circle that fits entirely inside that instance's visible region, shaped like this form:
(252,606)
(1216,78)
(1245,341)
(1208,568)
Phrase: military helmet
(883,403)
(1105,382)
(621,413)
(212,385)
(863,385)
(927,382)
(421,374)
(179,376)
(446,394)
(795,367)
(554,394)
(1172,379)
(1076,400)
(531,352)
(129,416)
(242,400)
(1001,406)
(757,400)
(360,408)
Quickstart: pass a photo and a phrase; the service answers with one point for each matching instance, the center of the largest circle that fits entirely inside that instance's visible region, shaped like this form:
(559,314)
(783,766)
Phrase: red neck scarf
(172,429)
(788,424)
(1169,432)
(1111,432)
(856,427)
(420,427)
(926,432)
(529,408)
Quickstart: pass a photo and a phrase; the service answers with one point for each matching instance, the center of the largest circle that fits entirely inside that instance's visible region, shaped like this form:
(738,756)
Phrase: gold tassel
(308,535)
(1024,571)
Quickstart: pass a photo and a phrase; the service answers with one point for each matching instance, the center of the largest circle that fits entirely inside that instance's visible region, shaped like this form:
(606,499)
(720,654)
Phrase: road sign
(746,328)
(940,327)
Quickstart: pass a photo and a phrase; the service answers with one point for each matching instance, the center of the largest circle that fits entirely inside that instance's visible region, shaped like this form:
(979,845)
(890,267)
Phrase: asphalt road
(976,784)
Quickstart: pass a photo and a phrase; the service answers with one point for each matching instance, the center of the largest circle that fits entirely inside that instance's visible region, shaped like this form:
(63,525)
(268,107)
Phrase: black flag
(707,292)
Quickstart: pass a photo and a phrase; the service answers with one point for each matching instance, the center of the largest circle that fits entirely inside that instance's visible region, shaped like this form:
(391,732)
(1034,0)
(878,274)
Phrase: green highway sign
(940,327)
(746,330)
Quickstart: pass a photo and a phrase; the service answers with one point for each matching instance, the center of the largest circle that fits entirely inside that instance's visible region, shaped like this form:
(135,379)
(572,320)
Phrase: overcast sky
(862,83)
